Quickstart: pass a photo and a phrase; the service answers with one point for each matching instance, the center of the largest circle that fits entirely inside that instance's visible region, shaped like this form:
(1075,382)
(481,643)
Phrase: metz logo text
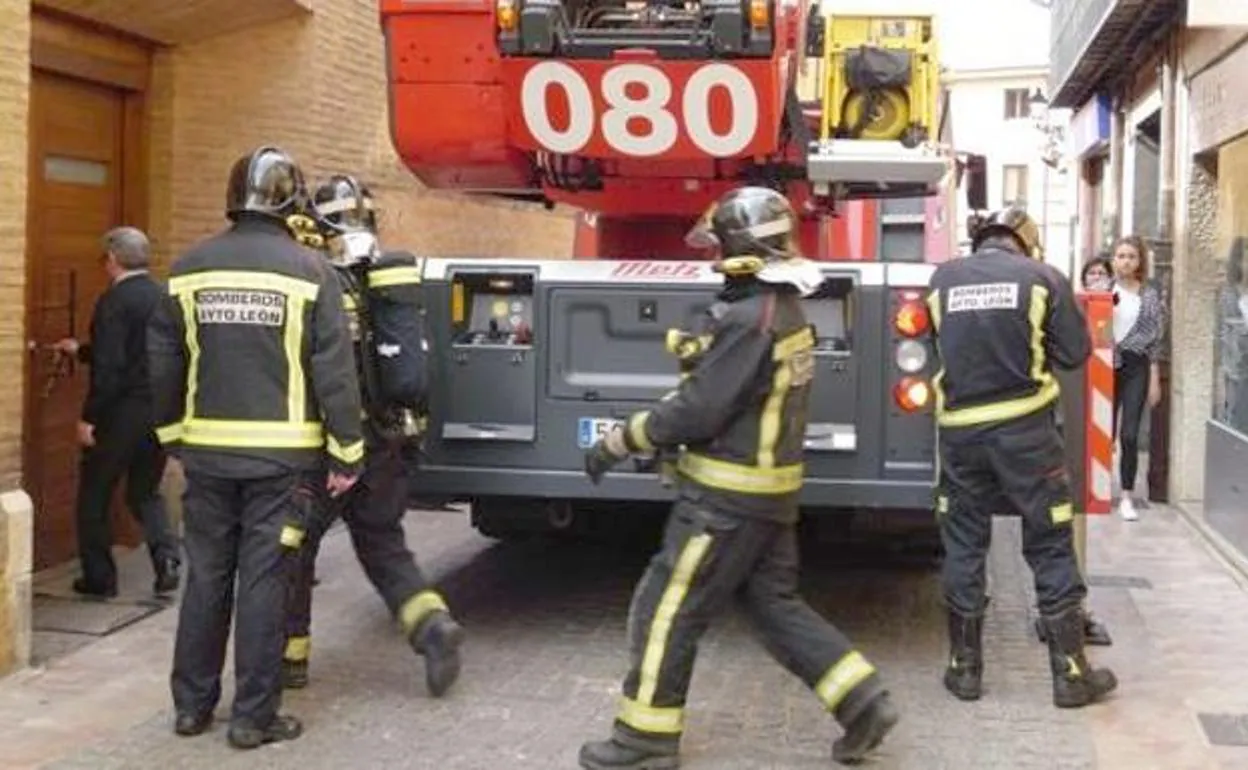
(673,270)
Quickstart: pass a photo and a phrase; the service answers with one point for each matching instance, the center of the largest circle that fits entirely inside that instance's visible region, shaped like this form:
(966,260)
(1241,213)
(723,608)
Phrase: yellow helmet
(1015,222)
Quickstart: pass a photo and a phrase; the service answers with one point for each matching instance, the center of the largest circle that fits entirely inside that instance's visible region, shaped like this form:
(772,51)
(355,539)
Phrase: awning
(179,21)
(1094,41)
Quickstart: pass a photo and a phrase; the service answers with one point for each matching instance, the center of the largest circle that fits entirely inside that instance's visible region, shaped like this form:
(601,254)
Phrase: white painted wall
(977,101)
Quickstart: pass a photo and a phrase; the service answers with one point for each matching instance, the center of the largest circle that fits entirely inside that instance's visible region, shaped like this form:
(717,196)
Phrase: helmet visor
(346,214)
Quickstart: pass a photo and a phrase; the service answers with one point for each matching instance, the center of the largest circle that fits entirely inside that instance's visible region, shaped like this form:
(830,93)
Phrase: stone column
(16,547)
(1197,275)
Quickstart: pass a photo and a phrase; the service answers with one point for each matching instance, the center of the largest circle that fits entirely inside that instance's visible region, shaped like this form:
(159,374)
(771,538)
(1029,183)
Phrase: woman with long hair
(1139,324)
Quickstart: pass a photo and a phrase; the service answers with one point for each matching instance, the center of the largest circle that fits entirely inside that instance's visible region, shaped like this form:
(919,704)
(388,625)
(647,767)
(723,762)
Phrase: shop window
(1230,388)
(1014,185)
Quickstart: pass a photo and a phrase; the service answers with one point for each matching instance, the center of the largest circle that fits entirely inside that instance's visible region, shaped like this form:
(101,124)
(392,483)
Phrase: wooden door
(77,132)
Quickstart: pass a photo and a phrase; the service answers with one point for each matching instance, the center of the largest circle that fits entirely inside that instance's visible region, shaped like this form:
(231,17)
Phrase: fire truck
(640,115)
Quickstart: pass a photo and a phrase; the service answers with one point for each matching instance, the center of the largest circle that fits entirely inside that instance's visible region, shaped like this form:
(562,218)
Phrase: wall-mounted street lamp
(1051,150)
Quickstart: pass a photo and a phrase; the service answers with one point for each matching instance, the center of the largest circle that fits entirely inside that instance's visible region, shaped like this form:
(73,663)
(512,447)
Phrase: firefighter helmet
(755,231)
(347,217)
(265,181)
(344,205)
(1015,222)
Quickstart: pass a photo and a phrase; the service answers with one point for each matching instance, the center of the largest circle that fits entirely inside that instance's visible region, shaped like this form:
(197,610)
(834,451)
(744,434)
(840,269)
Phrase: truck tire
(490,519)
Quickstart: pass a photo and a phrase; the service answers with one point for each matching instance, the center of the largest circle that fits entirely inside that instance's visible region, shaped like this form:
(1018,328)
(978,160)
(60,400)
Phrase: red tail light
(912,319)
(912,394)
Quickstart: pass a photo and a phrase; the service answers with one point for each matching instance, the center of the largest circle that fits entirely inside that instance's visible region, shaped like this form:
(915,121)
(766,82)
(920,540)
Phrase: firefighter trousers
(234,529)
(708,558)
(1012,467)
(373,511)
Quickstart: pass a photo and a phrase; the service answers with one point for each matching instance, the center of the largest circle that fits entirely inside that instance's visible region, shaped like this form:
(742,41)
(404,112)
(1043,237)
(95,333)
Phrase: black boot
(965,673)
(1095,633)
(94,591)
(438,639)
(866,731)
(190,724)
(613,755)
(1075,682)
(282,728)
(167,576)
(294,674)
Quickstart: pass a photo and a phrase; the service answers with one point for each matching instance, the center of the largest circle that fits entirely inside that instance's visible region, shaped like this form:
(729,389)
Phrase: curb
(1230,556)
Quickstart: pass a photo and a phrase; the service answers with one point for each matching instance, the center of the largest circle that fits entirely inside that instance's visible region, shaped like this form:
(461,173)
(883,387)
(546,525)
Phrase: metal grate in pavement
(1119,581)
(1225,729)
(94,618)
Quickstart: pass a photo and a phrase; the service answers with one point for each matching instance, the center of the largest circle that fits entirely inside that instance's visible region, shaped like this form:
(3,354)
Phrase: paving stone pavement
(545,654)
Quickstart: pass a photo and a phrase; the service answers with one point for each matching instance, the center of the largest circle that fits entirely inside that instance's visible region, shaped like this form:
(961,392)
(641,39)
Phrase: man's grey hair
(129,246)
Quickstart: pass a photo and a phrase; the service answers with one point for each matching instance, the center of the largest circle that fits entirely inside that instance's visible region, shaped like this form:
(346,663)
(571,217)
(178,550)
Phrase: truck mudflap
(544,355)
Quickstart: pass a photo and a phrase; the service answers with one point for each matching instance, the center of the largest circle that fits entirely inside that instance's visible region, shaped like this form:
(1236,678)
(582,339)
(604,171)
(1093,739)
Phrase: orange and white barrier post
(1098,411)
(1098,308)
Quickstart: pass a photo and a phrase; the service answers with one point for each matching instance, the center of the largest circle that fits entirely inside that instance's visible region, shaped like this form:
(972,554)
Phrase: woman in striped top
(1139,324)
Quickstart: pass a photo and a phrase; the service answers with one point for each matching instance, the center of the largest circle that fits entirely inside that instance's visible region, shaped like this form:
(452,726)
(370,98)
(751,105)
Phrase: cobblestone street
(546,652)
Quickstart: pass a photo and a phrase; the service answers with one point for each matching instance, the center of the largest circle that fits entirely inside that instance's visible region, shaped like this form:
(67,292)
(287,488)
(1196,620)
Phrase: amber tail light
(912,394)
(912,319)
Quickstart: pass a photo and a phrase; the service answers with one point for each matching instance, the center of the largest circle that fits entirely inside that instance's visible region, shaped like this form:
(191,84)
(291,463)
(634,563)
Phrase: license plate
(590,429)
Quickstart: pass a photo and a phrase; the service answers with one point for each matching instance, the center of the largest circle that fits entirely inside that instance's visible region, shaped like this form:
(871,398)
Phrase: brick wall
(315,85)
(15,521)
(14,97)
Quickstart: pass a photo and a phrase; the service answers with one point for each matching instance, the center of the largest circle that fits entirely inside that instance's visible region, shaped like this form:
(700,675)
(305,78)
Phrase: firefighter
(740,415)
(1002,320)
(381,300)
(254,390)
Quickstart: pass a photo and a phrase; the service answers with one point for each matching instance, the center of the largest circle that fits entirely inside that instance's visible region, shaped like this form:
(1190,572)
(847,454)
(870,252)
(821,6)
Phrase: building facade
(131,112)
(1001,113)
(1162,134)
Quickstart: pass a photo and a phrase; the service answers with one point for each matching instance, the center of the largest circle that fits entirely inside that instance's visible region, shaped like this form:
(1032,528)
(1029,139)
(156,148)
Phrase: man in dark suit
(116,431)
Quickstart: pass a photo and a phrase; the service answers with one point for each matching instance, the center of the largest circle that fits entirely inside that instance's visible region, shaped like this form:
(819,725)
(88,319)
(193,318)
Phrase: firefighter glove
(606,453)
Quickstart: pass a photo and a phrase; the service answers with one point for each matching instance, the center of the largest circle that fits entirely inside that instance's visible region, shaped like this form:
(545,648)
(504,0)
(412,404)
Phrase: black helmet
(343,205)
(751,226)
(266,181)
(1012,221)
(755,229)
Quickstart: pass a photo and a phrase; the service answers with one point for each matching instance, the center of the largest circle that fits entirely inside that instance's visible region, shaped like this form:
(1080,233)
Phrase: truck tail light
(505,13)
(759,14)
(911,356)
(912,394)
(912,319)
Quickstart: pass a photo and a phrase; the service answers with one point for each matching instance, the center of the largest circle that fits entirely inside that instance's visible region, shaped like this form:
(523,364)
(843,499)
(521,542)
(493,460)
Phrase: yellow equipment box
(883,79)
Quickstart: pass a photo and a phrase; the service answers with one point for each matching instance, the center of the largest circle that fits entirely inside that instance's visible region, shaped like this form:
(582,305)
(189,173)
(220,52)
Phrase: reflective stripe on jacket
(740,413)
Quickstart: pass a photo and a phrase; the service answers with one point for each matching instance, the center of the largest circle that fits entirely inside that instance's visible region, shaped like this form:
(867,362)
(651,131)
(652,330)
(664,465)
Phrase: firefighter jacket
(251,360)
(739,413)
(1002,321)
